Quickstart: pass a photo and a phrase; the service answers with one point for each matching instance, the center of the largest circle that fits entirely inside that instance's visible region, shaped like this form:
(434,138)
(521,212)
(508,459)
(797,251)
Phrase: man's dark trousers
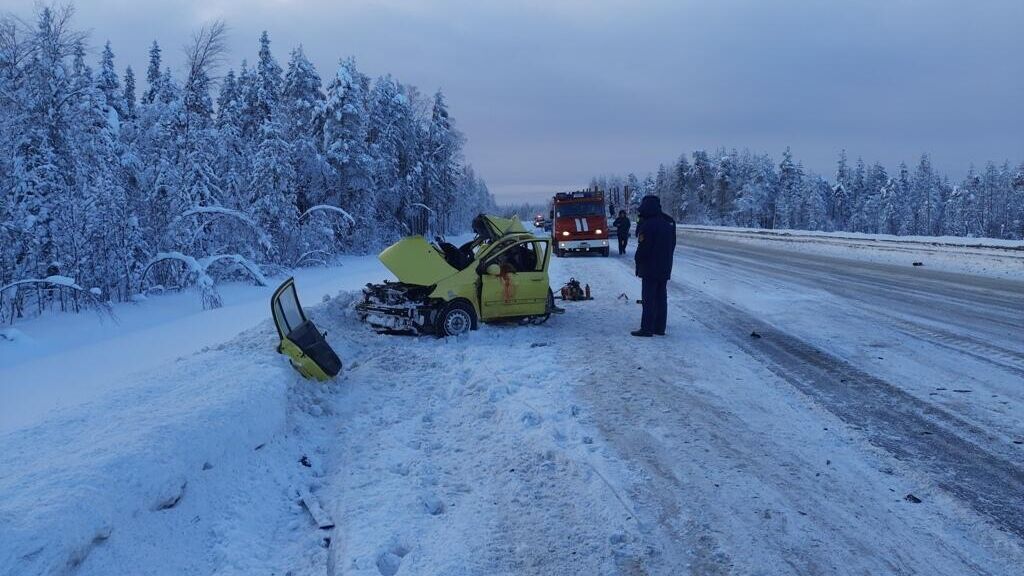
(654,293)
(623,240)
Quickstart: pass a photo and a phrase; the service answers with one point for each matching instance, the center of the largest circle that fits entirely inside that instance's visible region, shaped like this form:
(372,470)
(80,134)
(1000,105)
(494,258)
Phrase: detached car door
(521,287)
(301,341)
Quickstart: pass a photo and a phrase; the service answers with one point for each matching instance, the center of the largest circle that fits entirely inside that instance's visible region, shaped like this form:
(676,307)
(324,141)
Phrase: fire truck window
(578,209)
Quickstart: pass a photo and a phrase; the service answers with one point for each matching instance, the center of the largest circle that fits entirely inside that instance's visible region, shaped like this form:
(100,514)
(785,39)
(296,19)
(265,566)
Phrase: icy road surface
(873,426)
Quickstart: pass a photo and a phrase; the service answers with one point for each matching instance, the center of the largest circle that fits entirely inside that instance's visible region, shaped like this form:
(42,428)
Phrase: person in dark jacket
(656,244)
(622,225)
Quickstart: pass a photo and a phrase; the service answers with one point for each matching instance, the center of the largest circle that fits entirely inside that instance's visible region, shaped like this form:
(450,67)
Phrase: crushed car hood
(414,261)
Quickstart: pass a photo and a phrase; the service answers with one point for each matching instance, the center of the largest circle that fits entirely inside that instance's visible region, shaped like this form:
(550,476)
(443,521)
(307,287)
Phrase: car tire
(605,252)
(457,318)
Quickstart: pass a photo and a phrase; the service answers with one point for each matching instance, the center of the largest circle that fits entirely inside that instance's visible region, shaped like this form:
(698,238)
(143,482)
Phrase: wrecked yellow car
(502,274)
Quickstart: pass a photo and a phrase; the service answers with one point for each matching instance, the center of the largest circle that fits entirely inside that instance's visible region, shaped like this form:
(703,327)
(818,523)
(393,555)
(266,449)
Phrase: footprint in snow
(433,505)
(390,559)
(530,419)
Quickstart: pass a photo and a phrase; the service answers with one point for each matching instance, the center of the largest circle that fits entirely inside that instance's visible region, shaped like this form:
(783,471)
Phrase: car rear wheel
(456,319)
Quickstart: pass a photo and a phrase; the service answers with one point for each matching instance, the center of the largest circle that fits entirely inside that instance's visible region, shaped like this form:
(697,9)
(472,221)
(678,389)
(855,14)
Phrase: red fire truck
(578,222)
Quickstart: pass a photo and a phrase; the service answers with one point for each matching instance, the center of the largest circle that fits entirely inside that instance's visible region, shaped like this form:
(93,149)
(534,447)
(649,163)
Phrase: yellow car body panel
(304,345)
(414,261)
(517,293)
(301,362)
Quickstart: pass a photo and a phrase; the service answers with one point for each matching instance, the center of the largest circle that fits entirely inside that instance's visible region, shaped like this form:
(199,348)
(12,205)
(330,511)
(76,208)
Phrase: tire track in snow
(724,478)
(913,324)
(951,451)
(925,297)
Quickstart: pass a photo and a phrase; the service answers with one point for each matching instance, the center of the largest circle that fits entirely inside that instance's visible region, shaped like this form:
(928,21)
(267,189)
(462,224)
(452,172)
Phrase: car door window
(528,256)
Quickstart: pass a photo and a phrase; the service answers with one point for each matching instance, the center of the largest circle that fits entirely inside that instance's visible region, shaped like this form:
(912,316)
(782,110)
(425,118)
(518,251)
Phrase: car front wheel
(456,319)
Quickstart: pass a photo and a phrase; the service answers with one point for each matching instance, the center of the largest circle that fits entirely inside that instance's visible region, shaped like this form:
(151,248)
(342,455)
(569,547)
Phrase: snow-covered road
(873,427)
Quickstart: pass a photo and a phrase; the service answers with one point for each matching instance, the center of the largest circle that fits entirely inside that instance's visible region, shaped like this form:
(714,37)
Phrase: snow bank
(104,356)
(117,458)
(988,257)
(77,480)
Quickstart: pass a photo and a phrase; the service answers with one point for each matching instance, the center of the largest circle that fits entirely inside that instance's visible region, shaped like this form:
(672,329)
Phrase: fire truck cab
(579,223)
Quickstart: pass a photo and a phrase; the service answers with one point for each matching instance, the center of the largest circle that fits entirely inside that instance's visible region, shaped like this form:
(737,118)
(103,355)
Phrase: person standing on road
(622,225)
(656,244)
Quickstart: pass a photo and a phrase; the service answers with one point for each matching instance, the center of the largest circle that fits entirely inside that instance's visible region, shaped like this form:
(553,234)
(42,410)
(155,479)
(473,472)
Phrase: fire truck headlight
(565,232)
(599,231)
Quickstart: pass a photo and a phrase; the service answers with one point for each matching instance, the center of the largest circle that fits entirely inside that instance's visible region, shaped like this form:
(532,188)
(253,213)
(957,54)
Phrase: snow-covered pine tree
(267,88)
(231,161)
(272,193)
(110,84)
(302,119)
(680,204)
(394,144)
(925,198)
(442,160)
(839,206)
(814,204)
(154,76)
(345,147)
(129,98)
(787,203)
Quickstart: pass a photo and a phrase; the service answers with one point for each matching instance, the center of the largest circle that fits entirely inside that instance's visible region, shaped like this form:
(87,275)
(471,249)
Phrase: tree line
(736,188)
(121,183)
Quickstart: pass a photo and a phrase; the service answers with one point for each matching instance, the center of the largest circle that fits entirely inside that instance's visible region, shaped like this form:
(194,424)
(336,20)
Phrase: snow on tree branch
(245,263)
(198,268)
(91,297)
(261,234)
(328,208)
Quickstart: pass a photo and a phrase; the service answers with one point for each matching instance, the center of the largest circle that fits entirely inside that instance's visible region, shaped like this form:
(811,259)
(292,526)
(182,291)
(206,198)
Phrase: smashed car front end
(395,307)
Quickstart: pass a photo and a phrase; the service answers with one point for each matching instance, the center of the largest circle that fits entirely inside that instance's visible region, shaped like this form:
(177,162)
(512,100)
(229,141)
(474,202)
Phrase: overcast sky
(552,92)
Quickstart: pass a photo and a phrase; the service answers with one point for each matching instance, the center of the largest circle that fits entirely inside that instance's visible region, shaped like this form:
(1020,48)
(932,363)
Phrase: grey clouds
(552,93)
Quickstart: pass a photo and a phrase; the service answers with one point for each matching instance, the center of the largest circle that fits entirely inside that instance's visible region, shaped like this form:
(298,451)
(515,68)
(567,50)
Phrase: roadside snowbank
(989,257)
(90,474)
(62,360)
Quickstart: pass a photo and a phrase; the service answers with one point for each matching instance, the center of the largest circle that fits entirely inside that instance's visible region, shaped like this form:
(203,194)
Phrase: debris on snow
(316,512)
(175,492)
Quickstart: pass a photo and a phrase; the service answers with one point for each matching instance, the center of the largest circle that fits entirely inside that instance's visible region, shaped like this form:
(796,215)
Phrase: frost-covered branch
(261,234)
(211,298)
(327,208)
(245,263)
(199,268)
(309,253)
(93,297)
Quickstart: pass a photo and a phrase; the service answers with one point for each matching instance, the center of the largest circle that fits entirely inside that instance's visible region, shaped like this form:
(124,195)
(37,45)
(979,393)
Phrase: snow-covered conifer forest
(113,181)
(752,190)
